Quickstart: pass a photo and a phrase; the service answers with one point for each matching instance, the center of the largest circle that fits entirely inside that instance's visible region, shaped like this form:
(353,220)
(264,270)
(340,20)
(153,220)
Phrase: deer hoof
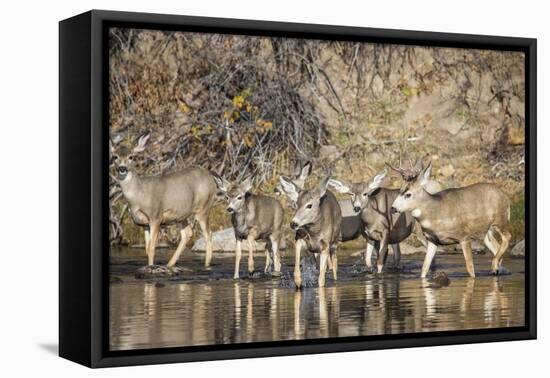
(254,274)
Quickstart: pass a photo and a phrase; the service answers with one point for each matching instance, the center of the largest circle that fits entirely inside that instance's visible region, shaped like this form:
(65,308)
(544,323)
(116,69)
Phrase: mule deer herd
(384,217)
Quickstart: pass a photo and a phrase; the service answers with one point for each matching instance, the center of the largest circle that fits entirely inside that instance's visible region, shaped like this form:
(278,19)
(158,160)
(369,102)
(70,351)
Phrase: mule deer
(381,228)
(299,176)
(167,199)
(317,223)
(254,217)
(352,226)
(456,216)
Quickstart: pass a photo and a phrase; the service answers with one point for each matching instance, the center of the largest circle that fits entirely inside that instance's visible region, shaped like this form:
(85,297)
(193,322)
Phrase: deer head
(124,157)
(360,192)
(308,202)
(412,192)
(235,193)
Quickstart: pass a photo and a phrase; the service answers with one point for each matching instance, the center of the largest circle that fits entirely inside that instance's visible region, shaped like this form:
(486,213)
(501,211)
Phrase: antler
(408,175)
(142,141)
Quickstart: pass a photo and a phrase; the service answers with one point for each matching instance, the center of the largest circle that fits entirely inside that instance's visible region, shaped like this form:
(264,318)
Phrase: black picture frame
(83,182)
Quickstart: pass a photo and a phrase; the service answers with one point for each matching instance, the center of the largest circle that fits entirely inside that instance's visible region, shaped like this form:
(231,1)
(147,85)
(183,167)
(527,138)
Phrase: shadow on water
(207,307)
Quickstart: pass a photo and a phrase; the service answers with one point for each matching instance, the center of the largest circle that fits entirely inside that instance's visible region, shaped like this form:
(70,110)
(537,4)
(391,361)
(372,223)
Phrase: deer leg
(185,234)
(334,258)
(396,254)
(276,254)
(147,236)
(468,258)
(297,272)
(430,254)
(330,263)
(490,242)
(238,253)
(267,261)
(368,254)
(154,229)
(383,253)
(202,218)
(268,251)
(497,259)
(323,266)
(251,250)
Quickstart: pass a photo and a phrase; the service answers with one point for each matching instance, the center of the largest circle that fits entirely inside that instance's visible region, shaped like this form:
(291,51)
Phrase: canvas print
(271,189)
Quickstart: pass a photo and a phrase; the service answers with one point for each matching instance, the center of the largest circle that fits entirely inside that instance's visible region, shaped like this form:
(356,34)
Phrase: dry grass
(255,105)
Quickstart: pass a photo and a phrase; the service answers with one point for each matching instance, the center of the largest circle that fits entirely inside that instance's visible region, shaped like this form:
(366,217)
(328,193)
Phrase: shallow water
(209,307)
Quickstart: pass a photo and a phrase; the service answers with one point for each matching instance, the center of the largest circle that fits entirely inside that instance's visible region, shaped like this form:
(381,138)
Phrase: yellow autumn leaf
(248,141)
(184,108)
(238,101)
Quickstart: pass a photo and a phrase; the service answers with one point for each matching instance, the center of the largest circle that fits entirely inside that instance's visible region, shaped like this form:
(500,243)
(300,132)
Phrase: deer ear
(322,187)
(306,170)
(378,180)
(427,173)
(112,153)
(142,141)
(290,189)
(247,183)
(340,186)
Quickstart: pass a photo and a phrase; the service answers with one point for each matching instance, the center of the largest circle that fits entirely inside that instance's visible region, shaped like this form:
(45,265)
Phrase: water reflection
(148,315)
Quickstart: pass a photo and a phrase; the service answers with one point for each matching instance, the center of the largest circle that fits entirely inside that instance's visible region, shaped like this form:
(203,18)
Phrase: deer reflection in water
(148,315)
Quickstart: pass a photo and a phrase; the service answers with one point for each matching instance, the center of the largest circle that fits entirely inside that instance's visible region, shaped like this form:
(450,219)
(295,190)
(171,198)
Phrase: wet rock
(519,249)
(440,279)
(224,241)
(256,274)
(502,271)
(159,271)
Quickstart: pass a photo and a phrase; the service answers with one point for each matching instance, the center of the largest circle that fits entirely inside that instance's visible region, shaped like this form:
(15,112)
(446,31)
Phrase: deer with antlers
(457,215)
(165,199)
